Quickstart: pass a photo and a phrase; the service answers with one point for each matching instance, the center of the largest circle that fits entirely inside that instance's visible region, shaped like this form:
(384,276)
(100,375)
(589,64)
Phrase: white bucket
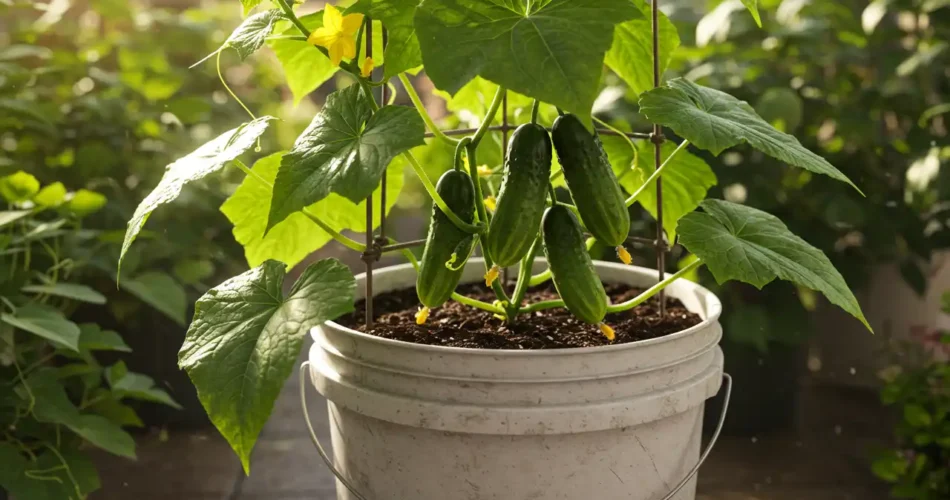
(419,422)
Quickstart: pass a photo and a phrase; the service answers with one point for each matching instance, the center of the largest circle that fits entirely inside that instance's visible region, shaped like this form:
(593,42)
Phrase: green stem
(364,85)
(541,306)
(653,290)
(343,240)
(534,111)
(497,286)
(69,472)
(524,277)
(489,116)
(633,147)
(226,87)
(656,173)
(485,306)
(554,176)
(292,16)
(430,123)
(439,202)
(457,160)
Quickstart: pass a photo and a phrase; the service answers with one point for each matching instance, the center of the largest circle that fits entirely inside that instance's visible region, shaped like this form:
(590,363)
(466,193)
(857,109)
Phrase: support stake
(657,139)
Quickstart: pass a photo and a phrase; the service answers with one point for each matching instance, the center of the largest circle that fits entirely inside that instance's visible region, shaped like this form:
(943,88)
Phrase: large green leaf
(402,47)
(345,150)
(305,67)
(714,120)
(631,55)
(160,291)
(73,291)
(551,50)
(246,336)
(297,236)
(204,161)
(45,322)
(685,180)
(52,405)
(741,243)
(250,36)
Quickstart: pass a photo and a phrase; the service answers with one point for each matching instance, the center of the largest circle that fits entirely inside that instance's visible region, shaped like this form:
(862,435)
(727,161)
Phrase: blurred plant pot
(430,423)
(767,388)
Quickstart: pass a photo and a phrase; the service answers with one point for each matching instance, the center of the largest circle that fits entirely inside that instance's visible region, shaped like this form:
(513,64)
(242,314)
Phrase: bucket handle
(339,475)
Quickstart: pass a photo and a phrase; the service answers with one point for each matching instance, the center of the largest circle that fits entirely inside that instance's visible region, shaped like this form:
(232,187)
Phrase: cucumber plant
(247,332)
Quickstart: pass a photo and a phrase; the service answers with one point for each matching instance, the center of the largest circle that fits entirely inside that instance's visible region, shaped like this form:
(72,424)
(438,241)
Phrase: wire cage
(378,243)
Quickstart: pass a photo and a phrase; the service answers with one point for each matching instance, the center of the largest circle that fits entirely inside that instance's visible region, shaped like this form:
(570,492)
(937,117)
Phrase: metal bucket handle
(346,482)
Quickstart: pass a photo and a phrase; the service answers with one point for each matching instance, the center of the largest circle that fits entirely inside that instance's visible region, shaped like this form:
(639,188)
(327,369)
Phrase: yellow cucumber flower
(490,203)
(624,255)
(337,34)
(491,275)
(607,331)
(422,315)
(366,69)
(484,171)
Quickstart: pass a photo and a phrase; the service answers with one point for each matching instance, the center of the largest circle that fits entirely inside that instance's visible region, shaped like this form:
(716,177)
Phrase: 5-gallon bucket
(419,422)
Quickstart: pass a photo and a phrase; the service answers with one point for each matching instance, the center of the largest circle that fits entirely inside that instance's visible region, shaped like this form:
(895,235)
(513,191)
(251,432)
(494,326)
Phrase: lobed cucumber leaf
(245,337)
(714,120)
(742,243)
(204,161)
(553,50)
(344,150)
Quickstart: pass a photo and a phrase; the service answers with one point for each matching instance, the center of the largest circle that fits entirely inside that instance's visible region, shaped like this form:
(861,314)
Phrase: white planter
(417,422)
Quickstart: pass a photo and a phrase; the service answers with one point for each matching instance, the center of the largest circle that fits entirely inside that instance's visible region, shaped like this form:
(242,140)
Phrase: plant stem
(489,116)
(421,174)
(430,123)
(633,147)
(292,16)
(524,277)
(343,240)
(656,173)
(496,285)
(534,111)
(653,290)
(459,148)
(226,87)
(541,306)
(485,306)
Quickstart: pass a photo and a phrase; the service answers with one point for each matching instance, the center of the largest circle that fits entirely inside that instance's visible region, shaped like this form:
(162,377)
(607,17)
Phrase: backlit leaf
(246,336)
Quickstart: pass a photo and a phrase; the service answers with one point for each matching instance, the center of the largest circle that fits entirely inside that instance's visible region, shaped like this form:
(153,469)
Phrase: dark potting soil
(457,325)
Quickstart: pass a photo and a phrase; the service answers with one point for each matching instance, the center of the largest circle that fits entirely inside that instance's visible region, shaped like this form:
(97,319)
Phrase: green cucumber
(591,179)
(521,201)
(572,270)
(436,280)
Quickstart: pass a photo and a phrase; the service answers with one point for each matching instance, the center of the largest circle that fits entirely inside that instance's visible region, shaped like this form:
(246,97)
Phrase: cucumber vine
(357,137)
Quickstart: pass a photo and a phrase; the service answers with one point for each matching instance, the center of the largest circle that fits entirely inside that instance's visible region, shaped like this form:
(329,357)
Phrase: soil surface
(456,325)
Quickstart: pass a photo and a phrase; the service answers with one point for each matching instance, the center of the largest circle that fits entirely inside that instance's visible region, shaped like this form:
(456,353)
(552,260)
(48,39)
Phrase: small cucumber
(436,281)
(521,201)
(592,182)
(571,268)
